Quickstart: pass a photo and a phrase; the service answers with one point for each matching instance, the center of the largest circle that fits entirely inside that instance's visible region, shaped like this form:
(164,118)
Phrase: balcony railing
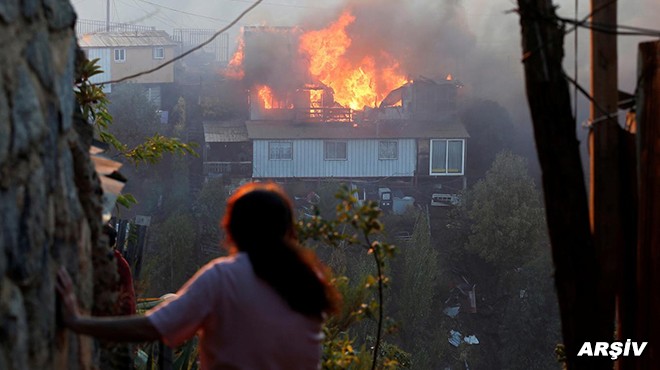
(228,168)
(325,114)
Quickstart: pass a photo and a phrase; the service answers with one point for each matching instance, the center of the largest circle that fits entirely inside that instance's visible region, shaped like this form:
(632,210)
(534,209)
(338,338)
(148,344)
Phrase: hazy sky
(472,39)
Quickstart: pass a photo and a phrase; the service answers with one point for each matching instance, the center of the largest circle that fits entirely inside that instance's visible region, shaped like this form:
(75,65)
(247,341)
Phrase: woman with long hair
(261,307)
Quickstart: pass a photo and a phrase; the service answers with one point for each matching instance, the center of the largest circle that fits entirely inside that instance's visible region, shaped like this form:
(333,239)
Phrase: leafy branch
(93,108)
(364,224)
(152,149)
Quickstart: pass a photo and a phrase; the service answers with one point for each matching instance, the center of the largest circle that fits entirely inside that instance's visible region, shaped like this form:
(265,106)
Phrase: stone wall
(49,192)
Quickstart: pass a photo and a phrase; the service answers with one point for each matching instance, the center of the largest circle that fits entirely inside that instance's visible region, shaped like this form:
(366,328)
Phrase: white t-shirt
(242,322)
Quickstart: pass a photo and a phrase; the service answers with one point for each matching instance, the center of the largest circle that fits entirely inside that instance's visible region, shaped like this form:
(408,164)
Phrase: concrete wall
(49,193)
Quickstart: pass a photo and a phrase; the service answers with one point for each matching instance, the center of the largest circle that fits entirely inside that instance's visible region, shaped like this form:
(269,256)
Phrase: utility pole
(605,189)
(107,15)
(564,190)
(648,252)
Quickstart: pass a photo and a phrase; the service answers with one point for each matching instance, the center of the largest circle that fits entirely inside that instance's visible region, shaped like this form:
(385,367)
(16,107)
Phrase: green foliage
(209,208)
(126,200)
(131,117)
(360,227)
(93,103)
(417,281)
(131,114)
(173,263)
(153,148)
(508,232)
(508,221)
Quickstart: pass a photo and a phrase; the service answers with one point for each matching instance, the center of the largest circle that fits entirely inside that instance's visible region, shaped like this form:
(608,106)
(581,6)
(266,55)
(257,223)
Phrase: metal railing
(229,168)
(86,26)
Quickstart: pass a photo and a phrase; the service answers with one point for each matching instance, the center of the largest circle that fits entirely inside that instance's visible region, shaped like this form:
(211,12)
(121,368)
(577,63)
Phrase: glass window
(388,149)
(438,157)
(120,55)
(280,150)
(455,156)
(159,53)
(334,150)
(447,157)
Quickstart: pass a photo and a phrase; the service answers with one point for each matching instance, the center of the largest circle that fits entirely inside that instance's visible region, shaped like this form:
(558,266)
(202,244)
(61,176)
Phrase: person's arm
(119,328)
(116,328)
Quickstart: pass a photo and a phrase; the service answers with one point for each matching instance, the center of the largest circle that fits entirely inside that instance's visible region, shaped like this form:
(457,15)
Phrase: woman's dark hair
(259,221)
(111,233)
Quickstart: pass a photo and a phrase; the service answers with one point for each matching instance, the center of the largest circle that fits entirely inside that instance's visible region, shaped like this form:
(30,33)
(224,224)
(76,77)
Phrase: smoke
(428,38)
(272,58)
(474,40)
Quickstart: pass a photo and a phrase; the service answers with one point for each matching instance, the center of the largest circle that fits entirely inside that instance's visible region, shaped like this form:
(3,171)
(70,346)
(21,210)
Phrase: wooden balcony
(324,114)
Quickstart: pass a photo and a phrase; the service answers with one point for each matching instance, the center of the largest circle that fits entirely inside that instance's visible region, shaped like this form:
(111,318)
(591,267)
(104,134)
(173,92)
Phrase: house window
(334,151)
(280,150)
(388,149)
(120,55)
(159,53)
(447,157)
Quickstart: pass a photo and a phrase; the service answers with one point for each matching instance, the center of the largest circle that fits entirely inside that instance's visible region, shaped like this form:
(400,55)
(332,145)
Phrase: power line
(591,14)
(181,56)
(153,14)
(284,5)
(588,96)
(187,13)
(610,28)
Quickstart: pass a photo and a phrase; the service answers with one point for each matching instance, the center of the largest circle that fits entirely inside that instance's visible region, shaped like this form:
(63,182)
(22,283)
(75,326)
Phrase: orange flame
(449,77)
(266,96)
(355,85)
(315,98)
(235,67)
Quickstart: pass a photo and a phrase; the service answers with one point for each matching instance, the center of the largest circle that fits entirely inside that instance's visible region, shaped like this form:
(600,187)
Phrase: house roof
(403,129)
(125,39)
(225,132)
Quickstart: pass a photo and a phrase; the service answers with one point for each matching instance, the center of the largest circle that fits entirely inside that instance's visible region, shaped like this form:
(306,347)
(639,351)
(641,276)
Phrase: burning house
(317,111)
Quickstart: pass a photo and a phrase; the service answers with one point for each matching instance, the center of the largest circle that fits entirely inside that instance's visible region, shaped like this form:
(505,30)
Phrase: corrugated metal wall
(308,160)
(104,62)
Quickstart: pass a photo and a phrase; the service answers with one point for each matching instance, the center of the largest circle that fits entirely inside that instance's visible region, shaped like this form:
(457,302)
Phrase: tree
(494,244)
(358,226)
(415,279)
(508,226)
(508,233)
(174,262)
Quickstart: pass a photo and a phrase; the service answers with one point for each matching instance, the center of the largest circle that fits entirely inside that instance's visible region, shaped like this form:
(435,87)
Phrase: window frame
(162,52)
(447,173)
(396,150)
(122,54)
(326,143)
(272,157)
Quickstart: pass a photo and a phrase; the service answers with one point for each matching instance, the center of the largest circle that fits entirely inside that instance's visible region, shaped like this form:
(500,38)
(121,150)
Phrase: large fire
(355,85)
(356,82)
(235,66)
(266,96)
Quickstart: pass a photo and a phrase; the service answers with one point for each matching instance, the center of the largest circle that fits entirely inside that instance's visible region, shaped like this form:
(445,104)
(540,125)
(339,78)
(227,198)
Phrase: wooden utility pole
(576,267)
(605,210)
(648,251)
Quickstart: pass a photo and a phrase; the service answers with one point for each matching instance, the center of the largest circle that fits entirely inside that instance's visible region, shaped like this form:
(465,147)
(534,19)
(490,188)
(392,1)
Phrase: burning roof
(280,62)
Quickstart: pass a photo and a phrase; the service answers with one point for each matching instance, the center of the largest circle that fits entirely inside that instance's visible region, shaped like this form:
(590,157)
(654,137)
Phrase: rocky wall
(49,192)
